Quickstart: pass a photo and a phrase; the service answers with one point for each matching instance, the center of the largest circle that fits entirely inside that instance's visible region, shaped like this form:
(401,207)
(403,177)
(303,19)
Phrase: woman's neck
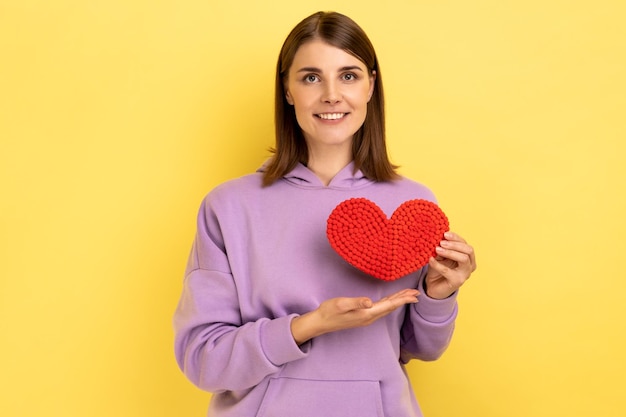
(328,163)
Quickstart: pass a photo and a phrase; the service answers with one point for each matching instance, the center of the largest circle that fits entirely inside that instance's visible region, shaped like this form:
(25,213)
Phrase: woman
(271,319)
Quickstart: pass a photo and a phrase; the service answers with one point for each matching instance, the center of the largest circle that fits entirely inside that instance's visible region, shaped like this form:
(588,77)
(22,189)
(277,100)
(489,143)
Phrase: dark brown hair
(369,150)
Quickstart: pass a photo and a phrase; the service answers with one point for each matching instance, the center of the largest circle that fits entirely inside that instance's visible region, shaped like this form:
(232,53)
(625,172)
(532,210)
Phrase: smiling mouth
(331,116)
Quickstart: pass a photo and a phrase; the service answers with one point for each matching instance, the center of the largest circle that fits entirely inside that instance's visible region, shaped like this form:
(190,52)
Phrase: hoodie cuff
(278,343)
(434,310)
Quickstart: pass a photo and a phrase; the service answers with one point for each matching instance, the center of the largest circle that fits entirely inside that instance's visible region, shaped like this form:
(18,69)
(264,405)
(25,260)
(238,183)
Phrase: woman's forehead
(324,56)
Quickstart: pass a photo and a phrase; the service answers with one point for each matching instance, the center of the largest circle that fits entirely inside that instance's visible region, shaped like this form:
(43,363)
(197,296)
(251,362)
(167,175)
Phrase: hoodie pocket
(290,397)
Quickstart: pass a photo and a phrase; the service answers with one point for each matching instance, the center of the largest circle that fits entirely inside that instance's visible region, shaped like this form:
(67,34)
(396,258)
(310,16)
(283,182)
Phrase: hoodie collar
(346,178)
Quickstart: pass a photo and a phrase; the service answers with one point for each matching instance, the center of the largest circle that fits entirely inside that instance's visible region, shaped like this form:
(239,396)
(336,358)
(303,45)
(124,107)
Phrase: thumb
(364,302)
(347,304)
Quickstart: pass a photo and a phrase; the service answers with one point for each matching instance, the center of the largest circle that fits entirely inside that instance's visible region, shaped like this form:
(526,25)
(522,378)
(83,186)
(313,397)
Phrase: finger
(398,299)
(345,304)
(383,307)
(454,277)
(453,237)
(440,268)
(459,257)
(472,256)
(408,296)
(408,292)
(459,247)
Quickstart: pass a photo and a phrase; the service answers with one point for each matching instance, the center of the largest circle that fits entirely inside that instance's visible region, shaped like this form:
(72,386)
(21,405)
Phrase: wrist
(435,296)
(305,327)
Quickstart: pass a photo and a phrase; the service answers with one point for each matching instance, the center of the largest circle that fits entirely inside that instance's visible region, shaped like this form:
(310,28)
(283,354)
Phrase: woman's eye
(311,78)
(349,77)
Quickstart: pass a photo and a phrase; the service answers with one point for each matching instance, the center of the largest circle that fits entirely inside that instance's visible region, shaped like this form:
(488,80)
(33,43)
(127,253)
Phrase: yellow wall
(117,116)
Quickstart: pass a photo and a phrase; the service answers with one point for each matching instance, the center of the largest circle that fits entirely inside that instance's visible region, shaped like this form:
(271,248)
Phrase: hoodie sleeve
(428,326)
(215,349)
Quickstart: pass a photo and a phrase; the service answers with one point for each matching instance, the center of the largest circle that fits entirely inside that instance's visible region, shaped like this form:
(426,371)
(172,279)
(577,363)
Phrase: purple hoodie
(259,259)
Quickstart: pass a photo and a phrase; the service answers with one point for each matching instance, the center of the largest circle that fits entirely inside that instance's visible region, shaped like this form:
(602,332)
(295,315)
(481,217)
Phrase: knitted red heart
(387,249)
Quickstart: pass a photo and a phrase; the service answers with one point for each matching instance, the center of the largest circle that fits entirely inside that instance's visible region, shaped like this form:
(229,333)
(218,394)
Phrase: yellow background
(116,117)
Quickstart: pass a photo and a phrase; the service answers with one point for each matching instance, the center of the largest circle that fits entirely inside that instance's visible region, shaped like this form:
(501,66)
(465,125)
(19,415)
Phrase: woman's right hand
(346,312)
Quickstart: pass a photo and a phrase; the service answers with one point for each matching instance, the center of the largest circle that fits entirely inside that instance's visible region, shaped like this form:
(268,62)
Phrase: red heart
(385,248)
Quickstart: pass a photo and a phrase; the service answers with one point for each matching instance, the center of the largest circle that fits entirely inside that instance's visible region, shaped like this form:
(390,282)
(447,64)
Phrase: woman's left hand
(453,265)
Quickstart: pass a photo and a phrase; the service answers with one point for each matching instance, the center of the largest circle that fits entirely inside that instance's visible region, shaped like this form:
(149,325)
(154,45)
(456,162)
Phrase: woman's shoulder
(246,182)
(412,189)
(234,189)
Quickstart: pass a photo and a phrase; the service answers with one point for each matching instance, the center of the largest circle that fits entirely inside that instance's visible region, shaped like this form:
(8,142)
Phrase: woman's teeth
(331,116)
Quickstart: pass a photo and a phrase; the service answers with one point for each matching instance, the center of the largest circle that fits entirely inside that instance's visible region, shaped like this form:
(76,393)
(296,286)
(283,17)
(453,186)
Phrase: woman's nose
(332,93)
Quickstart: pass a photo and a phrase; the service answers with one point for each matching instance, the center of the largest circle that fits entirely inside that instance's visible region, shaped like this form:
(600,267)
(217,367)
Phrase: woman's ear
(372,85)
(288,97)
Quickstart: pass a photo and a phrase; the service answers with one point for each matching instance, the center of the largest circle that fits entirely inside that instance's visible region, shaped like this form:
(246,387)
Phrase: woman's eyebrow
(346,68)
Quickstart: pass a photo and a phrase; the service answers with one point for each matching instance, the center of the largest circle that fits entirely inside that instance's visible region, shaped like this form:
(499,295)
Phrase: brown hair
(368,147)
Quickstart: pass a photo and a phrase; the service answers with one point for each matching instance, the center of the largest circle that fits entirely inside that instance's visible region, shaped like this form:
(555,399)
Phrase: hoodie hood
(346,178)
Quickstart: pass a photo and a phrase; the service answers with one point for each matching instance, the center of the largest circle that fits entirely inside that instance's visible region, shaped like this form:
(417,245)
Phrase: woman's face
(329,89)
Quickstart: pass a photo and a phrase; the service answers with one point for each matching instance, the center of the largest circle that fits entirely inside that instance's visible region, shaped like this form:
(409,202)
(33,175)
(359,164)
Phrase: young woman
(271,320)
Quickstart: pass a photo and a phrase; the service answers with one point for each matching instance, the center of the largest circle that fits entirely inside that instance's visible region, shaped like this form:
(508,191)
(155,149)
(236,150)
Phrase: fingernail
(439,249)
(448,235)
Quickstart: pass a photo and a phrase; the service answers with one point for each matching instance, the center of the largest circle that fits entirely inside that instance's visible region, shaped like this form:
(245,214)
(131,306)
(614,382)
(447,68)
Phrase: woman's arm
(214,348)
(344,313)
(428,326)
